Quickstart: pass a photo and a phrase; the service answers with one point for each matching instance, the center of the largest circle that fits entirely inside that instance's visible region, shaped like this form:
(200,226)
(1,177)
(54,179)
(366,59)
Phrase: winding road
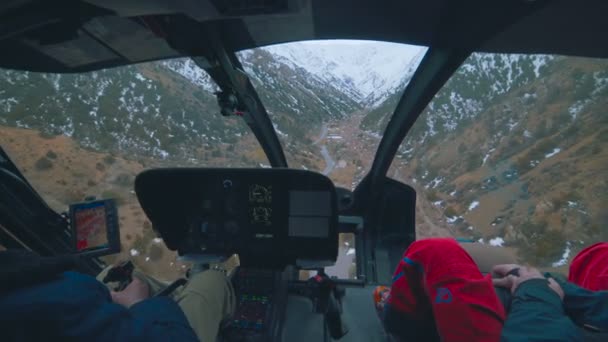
(330,163)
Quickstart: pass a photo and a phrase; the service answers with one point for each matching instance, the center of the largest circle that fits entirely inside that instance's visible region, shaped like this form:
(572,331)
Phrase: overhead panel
(80,51)
(130,39)
(265,31)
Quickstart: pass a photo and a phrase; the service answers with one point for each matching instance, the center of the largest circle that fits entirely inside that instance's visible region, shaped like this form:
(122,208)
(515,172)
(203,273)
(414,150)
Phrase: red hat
(589,269)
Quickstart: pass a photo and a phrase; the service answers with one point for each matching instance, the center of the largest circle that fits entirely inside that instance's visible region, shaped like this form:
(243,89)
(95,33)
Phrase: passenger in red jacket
(439,294)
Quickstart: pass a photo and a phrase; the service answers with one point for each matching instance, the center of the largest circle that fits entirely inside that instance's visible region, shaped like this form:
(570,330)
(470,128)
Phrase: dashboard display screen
(91,226)
(309,213)
(95,227)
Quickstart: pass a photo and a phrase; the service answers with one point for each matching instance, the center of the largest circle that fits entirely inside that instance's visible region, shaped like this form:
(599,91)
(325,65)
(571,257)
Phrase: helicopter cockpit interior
(279,220)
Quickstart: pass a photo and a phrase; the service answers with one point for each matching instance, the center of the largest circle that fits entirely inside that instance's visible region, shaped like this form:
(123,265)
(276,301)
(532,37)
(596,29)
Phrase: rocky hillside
(166,110)
(513,151)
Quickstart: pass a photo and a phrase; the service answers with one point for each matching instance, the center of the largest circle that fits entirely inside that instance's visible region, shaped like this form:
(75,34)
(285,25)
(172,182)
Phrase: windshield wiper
(236,86)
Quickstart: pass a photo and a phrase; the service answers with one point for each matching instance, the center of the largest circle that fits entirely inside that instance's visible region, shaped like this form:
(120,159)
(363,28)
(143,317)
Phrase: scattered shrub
(432,196)
(100,167)
(109,159)
(155,252)
(450,212)
(91,182)
(51,155)
(124,180)
(43,164)
(473,161)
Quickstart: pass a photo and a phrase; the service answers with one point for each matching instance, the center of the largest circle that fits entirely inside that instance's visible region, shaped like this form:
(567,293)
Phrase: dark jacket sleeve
(584,307)
(537,314)
(76,307)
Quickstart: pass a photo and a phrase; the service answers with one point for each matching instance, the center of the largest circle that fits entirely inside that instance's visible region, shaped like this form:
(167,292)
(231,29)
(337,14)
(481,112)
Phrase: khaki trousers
(206,299)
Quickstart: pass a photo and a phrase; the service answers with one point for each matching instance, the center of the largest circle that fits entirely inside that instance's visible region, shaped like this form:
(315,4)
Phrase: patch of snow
(576,107)
(564,260)
(134,252)
(196,75)
(473,205)
(554,152)
(529,96)
(438,203)
(453,193)
(453,219)
(487,156)
(276,128)
(470,228)
(350,251)
(147,258)
(497,242)
(435,182)
(527,134)
(264,166)
(157,240)
(481,241)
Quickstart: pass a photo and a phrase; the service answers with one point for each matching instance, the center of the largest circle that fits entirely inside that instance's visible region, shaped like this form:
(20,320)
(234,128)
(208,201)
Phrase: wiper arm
(228,73)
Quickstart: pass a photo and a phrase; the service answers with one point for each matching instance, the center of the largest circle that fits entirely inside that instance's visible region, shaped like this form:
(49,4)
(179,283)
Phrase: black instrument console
(271,218)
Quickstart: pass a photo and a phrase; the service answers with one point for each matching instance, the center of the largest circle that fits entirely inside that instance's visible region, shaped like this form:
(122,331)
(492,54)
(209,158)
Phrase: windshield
(512,152)
(319,95)
(90,134)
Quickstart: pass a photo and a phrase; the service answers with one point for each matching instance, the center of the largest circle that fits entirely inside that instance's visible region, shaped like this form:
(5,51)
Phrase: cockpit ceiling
(74,36)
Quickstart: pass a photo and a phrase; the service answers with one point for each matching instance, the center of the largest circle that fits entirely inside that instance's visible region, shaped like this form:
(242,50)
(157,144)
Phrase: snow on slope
(365,70)
(187,68)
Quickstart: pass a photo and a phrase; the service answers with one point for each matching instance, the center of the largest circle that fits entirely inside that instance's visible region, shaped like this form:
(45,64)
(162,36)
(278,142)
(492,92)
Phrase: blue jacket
(76,307)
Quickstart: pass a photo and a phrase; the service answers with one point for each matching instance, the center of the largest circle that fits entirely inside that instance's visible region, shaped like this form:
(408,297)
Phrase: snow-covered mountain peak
(365,70)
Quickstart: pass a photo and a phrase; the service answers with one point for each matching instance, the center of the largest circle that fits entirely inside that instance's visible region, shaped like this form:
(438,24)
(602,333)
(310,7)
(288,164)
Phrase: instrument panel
(270,217)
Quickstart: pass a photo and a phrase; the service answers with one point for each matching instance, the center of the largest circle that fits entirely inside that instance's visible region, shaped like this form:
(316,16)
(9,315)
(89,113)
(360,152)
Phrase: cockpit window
(320,94)
(512,152)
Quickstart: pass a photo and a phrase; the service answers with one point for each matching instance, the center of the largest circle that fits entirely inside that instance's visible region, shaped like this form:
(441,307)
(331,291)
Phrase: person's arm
(537,314)
(131,314)
(80,308)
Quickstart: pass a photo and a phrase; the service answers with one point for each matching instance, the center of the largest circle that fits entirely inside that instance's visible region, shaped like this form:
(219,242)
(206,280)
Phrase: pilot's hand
(134,293)
(513,275)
